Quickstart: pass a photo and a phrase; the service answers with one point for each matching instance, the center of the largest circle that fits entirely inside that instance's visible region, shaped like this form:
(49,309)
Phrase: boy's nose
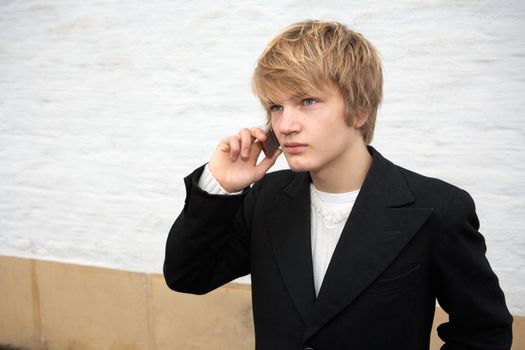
(289,121)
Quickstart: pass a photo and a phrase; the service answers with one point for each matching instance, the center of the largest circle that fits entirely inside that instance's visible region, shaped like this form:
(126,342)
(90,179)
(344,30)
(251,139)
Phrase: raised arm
(208,245)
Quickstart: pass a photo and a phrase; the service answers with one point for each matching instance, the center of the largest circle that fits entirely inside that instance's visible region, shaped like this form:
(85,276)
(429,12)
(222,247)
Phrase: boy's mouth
(294,147)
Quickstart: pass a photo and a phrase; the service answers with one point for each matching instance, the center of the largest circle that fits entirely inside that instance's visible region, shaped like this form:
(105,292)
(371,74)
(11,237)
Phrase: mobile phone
(271,145)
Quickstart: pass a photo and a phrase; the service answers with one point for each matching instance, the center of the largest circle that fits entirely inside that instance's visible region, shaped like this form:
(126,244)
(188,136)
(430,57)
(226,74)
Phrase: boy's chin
(297,166)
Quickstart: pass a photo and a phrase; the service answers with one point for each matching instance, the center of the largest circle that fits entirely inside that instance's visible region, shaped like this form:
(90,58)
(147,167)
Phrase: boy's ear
(360,119)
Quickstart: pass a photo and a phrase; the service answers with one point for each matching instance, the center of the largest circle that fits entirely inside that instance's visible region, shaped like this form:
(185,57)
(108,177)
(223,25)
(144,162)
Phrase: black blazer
(408,241)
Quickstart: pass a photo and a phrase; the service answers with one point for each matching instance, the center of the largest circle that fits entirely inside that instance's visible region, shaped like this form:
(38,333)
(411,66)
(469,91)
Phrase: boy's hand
(234,163)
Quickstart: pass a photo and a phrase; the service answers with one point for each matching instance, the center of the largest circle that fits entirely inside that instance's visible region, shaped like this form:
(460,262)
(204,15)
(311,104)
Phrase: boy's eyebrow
(295,96)
(269,103)
(305,94)
(302,95)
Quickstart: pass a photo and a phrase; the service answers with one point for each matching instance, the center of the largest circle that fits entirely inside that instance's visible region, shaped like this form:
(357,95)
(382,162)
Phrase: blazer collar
(288,222)
(377,229)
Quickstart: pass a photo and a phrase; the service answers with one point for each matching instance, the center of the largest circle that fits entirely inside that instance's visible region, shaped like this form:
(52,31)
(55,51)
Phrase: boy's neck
(345,176)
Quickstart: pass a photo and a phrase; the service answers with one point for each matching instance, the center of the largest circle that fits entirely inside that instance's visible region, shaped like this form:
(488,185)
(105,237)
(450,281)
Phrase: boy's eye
(276,108)
(308,101)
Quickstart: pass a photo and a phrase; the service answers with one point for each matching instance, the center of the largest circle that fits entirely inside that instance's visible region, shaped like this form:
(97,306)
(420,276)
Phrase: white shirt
(328,218)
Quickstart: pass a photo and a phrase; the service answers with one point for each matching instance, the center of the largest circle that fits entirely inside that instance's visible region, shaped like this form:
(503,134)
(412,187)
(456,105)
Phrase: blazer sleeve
(208,245)
(467,288)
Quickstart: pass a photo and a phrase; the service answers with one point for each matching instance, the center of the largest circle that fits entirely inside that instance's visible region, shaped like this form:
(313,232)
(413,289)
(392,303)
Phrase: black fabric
(408,240)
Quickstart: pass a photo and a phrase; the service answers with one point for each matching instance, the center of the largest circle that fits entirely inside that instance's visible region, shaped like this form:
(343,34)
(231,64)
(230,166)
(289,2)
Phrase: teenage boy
(346,250)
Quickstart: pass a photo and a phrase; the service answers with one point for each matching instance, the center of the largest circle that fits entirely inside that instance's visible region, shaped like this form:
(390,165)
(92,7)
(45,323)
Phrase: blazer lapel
(376,231)
(288,221)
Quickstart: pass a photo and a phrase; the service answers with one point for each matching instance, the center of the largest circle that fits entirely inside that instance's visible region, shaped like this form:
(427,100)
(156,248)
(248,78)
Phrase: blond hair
(306,56)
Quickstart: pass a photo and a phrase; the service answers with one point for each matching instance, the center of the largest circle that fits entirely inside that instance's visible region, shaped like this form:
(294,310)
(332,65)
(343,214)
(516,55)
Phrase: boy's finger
(246,142)
(233,142)
(258,134)
(266,164)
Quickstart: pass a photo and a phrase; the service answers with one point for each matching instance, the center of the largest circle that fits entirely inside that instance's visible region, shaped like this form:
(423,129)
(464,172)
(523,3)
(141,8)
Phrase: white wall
(106,105)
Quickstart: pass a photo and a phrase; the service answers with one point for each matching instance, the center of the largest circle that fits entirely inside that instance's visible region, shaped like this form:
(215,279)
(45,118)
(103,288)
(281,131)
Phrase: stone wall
(54,306)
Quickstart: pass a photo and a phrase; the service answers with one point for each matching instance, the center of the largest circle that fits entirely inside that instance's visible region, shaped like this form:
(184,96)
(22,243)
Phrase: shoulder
(398,182)
(426,191)
(442,195)
(390,174)
(420,182)
(453,209)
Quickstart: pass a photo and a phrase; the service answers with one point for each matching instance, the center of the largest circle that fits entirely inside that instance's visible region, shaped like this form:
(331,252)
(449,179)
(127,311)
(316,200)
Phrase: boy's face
(312,131)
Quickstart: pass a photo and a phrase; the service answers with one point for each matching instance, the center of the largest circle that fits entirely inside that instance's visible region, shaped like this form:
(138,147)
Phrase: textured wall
(105,106)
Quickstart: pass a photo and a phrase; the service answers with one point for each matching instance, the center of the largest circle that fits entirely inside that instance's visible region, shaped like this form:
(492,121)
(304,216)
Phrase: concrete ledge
(48,305)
